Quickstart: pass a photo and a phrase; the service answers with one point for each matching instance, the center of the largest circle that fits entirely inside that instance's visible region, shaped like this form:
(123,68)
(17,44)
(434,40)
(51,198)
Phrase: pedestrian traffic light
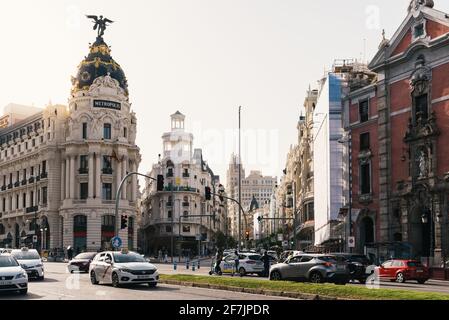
(160,183)
(124,222)
(208,193)
(247,235)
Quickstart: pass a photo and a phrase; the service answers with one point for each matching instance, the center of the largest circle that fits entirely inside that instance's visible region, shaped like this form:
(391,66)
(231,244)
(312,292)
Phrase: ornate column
(72,177)
(118,174)
(91,175)
(133,183)
(63,176)
(125,185)
(67,177)
(98,176)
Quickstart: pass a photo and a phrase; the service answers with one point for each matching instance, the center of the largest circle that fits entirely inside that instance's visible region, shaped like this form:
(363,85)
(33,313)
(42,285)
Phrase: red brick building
(398,119)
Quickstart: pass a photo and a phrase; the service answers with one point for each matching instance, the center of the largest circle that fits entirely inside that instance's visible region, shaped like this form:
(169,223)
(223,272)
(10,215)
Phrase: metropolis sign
(107,104)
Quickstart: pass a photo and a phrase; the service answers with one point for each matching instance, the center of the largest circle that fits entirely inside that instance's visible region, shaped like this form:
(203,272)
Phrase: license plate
(143,277)
(5,283)
(419,271)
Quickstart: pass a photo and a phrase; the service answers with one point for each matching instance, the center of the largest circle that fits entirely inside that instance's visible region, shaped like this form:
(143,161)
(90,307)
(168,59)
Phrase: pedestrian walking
(69,253)
(236,263)
(266,264)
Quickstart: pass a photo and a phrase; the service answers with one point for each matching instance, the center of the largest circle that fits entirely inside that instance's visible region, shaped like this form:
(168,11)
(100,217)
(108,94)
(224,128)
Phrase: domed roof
(98,63)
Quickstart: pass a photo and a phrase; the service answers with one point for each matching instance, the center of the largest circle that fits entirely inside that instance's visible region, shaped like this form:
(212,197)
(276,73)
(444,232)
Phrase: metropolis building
(60,168)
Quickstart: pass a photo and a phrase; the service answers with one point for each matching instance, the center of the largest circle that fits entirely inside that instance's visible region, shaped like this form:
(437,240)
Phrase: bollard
(193,266)
(198,264)
(187,264)
(174,265)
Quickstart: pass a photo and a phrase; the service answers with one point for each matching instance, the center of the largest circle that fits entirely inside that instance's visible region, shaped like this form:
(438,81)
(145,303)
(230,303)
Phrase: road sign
(34,238)
(351,242)
(285,243)
(116,242)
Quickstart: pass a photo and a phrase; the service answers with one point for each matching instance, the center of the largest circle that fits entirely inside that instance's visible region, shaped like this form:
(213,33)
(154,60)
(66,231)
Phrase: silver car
(316,268)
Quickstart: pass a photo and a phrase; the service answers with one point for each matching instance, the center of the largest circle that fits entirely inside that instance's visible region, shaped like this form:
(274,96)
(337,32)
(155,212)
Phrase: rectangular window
(364,141)
(44,195)
(32,171)
(19,148)
(186,229)
(33,142)
(84,165)
(4,204)
(107,131)
(44,166)
(17,201)
(125,133)
(24,174)
(107,165)
(84,130)
(365,178)
(364,111)
(107,191)
(168,229)
(26,145)
(24,200)
(169,214)
(32,199)
(84,189)
(421,107)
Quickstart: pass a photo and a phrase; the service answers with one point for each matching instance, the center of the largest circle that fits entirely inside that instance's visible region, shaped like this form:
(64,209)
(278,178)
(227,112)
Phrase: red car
(403,270)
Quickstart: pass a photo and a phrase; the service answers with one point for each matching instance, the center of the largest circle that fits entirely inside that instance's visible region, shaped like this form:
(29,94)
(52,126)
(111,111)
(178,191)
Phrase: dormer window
(419,30)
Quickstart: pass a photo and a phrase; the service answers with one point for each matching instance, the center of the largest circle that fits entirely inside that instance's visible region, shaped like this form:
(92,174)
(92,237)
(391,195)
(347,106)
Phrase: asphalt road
(430,286)
(61,285)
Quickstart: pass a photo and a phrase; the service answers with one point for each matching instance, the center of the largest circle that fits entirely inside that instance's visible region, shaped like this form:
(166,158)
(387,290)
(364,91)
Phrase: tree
(220,240)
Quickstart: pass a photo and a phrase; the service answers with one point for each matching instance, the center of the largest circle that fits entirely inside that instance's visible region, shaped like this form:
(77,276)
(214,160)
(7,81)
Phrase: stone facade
(61,167)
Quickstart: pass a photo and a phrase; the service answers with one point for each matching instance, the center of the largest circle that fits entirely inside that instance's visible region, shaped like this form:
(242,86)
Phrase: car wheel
(422,281)
(275,276)
(23,291)
(316,277)
(400,277)
(242,272)
(152,284)
(115,280)
(71,271)
(41,278)
(93,278)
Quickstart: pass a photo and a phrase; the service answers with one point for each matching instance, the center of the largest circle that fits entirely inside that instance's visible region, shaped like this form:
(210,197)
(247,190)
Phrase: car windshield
(85,256)
(414,264)
(7,261)
(129,257)
(25,255)
(362,259)
(254,257)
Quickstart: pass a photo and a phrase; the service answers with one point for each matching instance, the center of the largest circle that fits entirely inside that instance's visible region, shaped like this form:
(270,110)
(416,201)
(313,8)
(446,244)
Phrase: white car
(30,261)
(122,267)
(249,263)
(12,275)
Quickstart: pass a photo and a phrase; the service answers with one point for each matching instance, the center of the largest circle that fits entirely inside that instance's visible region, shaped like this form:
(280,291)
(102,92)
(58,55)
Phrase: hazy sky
(202,57)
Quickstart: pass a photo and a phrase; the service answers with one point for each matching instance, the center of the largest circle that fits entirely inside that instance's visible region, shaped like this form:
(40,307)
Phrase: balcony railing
(24,182)
(32,209)
(107,170)
(3,188)
(170,174)
(17,184)
(83,171)
(31,180)
(10,186)
(38,178)
(44,175)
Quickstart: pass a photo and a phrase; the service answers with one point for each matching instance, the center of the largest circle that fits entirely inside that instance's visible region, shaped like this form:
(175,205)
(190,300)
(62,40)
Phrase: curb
(273,293)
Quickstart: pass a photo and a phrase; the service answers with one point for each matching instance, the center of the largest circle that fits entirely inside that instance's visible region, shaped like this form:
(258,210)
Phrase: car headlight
(125,270)
(21,275)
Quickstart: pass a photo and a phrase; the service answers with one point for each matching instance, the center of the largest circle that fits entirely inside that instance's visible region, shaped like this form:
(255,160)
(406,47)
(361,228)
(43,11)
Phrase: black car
(357,265)
(81,262)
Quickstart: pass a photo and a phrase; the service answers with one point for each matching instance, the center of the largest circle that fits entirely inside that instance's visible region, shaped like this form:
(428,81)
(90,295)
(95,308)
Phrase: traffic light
(124,222)
(208,193)
(247,235)
(160,183)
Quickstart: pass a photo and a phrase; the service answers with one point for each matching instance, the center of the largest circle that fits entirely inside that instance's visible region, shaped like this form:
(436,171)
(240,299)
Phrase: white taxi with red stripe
(122,267)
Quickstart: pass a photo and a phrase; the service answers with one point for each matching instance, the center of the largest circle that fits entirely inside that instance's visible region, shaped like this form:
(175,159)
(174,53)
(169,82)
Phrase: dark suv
(357,264)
